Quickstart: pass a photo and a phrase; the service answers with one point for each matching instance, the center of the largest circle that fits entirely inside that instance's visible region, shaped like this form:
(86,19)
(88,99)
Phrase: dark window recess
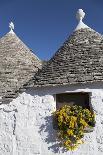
(81,99)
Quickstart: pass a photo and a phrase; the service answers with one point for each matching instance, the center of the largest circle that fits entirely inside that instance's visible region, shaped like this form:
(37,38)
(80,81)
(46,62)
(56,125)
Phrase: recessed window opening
(78,98)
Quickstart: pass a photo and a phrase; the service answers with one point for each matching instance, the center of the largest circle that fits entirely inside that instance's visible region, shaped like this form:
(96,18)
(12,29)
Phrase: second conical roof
(79,60)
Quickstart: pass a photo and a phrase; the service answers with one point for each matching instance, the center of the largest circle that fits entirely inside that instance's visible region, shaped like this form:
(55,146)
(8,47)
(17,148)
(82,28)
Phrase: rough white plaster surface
(26,123)
(81,25)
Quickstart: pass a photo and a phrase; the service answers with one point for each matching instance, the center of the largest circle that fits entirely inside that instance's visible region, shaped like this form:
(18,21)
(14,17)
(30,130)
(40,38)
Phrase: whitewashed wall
(26,123)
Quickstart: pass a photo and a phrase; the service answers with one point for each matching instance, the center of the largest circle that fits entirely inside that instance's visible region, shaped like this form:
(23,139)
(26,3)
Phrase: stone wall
(26,123)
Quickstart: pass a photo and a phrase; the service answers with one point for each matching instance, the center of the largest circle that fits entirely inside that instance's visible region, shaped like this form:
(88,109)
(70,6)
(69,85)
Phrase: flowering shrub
(72,122)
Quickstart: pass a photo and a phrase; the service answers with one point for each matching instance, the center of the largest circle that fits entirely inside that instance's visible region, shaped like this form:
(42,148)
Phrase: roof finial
(80,15)
(11,26)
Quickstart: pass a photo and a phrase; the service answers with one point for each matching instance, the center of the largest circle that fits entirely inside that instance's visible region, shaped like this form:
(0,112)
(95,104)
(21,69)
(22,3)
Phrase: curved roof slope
(79,60)
(17,64)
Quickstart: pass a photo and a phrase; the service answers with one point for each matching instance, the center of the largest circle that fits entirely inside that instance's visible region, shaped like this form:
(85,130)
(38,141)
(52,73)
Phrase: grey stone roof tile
(17,65)
(79,60)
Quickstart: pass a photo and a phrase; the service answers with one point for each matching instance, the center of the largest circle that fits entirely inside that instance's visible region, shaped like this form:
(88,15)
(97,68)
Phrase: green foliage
(72,122)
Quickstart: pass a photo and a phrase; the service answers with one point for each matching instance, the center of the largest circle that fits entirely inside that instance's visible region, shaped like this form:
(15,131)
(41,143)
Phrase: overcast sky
(43,25)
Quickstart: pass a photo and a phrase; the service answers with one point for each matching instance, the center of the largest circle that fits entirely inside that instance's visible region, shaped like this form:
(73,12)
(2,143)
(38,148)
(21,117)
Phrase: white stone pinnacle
(11,26)
(80,15)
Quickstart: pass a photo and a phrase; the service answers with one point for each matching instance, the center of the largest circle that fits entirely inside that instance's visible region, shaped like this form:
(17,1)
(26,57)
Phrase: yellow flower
(70,132)
(83,123)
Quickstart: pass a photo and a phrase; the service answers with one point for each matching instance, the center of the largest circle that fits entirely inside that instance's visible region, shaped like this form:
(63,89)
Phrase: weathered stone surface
(17,65)
(79,60)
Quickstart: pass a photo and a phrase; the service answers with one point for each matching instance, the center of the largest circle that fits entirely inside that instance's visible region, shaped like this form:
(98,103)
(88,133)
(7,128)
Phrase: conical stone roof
(79,60)
(17,64)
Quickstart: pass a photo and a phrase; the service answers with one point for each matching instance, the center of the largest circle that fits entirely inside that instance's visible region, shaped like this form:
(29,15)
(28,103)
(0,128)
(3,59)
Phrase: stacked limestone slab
(79,60)
(17,65)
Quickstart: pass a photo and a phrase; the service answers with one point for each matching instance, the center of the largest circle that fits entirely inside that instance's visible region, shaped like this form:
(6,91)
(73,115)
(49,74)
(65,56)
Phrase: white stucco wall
(26,123)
